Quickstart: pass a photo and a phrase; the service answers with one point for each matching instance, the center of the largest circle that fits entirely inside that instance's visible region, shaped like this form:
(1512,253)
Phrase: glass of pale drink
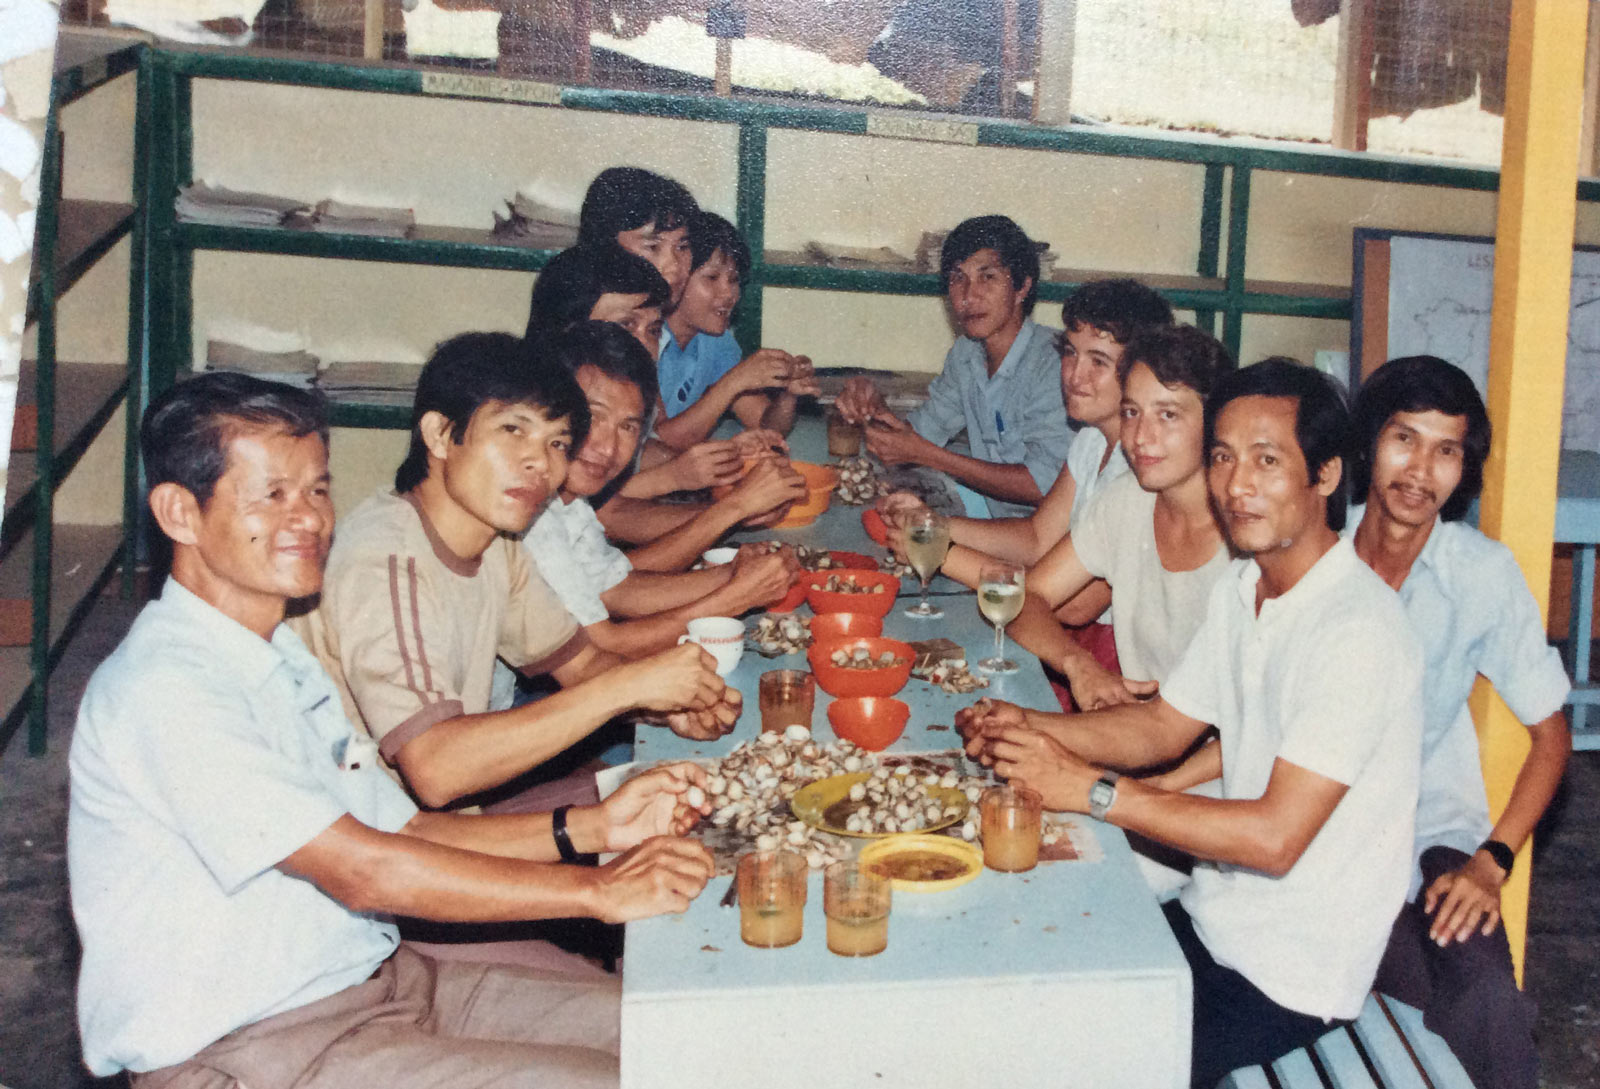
(856,901)
(772,898)
(1001,589)
(927,541)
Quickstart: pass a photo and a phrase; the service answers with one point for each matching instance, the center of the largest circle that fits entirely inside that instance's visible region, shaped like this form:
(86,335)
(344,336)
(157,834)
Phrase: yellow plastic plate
(903,856)
(810,804)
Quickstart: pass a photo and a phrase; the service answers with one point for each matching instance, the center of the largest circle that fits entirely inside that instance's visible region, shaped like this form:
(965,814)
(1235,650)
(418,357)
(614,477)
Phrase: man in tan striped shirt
(425,589)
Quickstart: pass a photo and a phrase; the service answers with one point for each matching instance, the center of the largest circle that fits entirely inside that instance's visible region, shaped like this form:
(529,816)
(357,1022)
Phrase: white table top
(1091,924)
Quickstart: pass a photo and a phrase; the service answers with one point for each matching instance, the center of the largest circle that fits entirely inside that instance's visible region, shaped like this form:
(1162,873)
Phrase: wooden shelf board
(87,59)
(87,229)
(86,396)
(459,247)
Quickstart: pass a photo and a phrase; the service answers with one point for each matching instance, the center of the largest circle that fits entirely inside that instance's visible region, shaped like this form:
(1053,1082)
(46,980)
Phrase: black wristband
(1503,856)
(558,830)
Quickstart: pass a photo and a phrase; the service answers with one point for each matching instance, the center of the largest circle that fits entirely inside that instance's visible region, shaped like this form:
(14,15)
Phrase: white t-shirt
(1472,611)
(203,757)
(1329,678)
(568,545)
(1083,462)
(1154,612)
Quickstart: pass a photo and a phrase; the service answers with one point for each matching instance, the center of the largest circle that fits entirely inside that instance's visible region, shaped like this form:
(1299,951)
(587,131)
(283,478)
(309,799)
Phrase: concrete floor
(38,947)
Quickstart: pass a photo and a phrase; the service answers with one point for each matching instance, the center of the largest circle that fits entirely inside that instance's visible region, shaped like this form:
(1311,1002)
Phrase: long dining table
(1064,976)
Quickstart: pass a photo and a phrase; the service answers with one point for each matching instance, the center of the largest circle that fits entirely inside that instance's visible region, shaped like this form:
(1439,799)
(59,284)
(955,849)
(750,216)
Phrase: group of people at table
(308,737)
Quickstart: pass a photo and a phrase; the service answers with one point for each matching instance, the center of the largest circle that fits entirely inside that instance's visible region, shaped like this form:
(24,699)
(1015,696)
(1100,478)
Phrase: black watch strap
(558,829)
(1503,856)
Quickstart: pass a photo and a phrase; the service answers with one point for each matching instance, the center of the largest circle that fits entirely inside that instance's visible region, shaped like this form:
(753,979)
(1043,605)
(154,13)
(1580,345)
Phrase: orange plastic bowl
(872,722)
(830,601)
(847,683)
(852,561)
(820,482)
(840,627)
(876,527)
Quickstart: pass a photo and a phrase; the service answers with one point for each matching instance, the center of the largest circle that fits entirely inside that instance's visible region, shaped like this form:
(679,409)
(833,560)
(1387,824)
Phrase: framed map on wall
(1430,294)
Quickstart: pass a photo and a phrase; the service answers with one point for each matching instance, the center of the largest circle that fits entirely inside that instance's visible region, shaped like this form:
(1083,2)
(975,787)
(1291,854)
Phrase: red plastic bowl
(842,627)
(872,722)
(852,561)
(829,601)
(846,683)
(876,527)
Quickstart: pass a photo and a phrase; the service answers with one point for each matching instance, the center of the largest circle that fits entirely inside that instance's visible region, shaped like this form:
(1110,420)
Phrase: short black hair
(469,371)
(708,233)
(1001,234)
(1178,355)
(624,198)
(1321,420)
(607,347)
(1421,383)
(573,280)
(186,430)
(1118,308)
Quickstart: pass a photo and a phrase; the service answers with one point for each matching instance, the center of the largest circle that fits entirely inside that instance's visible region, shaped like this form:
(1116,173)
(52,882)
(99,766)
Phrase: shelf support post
(1210,259)
(751,215)
(48,227)
(1238,229)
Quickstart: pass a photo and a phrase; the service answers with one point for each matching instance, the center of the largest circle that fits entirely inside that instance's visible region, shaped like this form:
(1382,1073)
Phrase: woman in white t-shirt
(1151,536)
(1099,320)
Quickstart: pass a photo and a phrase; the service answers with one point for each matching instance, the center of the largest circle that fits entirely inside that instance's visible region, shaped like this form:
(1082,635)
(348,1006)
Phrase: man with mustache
(1423,436)
(1001,381)
(1307,668)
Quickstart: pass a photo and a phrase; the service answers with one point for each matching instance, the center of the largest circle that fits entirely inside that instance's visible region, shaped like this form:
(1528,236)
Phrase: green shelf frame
(1218,290)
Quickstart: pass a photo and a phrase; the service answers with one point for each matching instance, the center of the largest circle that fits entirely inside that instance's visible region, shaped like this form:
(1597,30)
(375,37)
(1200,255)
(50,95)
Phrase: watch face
(1101,795)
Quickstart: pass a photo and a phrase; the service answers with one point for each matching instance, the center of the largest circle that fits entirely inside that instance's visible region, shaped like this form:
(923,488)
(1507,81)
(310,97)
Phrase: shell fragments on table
(860,480)
(890,565)
(847,584)
(950,674)
(777,634)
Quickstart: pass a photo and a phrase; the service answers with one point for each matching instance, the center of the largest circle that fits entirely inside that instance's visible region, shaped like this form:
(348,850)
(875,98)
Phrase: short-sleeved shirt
(1083,462)
(1473,613)
(1329,678)
(1017,417)
(687,371)
(1154,612)
(568,545)
(410,631)
(203,757)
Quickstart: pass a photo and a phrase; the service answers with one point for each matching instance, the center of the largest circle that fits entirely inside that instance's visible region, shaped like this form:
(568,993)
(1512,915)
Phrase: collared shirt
(1017,417)
(1473,613)
(410,631)
(1327,677)
(687,371)
(203,757)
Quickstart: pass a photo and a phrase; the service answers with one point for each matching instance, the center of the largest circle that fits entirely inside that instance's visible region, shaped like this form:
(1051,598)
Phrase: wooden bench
(1386,1048)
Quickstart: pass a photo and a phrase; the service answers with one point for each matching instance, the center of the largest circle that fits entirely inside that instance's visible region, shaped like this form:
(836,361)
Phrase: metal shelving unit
(1217,291)
(60,567)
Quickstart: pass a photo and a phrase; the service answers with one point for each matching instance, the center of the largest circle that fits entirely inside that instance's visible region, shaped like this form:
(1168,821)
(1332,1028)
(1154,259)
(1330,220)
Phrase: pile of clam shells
(859,481)
(847,584)
(951,674)
(898,800)
(775,635)
(861,658)
(750,788)
(815,559)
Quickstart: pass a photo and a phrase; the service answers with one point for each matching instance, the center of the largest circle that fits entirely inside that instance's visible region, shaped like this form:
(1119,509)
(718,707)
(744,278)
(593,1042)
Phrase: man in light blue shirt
(237,852)
(1422,437)
(1001,382)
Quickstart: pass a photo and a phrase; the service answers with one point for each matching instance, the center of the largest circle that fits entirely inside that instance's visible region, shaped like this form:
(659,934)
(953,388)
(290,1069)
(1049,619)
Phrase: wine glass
(927,537)
(1000,595)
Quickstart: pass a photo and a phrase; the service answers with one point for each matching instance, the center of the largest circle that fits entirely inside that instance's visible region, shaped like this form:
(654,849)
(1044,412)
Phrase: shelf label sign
(458,85)
(922,128)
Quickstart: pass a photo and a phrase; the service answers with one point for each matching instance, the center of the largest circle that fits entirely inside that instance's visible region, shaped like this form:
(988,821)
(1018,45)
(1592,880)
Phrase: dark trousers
(1466,990)
(1234,1023)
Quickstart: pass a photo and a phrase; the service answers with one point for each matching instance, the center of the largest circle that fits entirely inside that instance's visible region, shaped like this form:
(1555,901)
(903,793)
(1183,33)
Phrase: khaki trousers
(423,1024)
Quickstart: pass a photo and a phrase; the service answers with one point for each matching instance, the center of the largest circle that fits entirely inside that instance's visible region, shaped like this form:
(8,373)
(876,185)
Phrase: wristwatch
(1103,795)
(1503,856)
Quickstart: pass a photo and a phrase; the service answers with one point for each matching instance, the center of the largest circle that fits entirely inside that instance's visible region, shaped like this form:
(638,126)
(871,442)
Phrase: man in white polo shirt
(1422,437)
(236,851)
(1307,668)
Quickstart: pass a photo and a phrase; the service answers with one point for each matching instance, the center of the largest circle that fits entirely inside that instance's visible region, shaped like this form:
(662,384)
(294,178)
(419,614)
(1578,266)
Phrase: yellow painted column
(1528,346)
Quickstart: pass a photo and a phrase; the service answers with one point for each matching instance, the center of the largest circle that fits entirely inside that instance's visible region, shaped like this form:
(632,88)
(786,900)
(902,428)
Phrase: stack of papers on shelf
(370,383)
(297,368)
(201,203)
(529,222)
(338,218)
(876,257)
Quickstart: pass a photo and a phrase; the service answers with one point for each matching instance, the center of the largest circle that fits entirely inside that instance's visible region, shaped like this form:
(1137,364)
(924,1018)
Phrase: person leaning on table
(1309,671)
(236,850)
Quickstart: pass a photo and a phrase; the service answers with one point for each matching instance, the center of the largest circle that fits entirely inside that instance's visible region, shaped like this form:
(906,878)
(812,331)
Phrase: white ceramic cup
(716,557)
(721,636)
